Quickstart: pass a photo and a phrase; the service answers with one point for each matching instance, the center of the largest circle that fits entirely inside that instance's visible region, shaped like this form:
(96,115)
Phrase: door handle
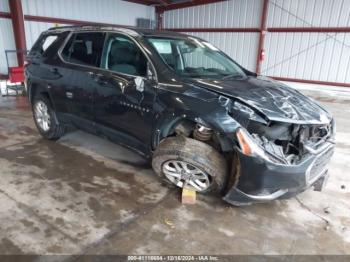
(100,79)
(101,82)
(69,95)
(91,74)
(54,70)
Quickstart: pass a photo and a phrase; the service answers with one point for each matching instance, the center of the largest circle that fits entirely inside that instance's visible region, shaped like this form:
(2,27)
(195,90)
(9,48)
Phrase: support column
(159,15)
(263,30)
(18,28)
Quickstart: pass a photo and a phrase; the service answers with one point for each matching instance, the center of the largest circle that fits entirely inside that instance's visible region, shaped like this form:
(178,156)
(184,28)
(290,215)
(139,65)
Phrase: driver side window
(122,55)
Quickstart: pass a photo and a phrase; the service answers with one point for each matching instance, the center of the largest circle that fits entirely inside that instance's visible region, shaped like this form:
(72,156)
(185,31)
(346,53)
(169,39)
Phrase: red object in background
(262,55)
(16,74)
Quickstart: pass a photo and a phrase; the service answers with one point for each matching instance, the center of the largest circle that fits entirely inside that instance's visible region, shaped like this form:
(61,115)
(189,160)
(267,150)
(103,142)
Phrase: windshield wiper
(235,76)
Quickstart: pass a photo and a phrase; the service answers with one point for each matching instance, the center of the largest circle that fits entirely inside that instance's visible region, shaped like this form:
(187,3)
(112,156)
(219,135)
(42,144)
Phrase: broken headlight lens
(250,148)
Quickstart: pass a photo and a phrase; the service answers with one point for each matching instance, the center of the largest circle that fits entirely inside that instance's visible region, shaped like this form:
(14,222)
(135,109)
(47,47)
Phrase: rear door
(41,60)
(81,57)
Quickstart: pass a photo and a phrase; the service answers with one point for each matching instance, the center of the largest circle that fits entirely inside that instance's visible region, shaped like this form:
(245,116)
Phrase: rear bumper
(261,180)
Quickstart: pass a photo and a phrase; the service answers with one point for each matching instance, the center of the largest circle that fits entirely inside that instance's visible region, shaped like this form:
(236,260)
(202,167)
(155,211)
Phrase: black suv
(205,121)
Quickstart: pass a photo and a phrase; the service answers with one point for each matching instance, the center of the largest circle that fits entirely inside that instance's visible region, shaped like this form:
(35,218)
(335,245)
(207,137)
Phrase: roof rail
(70,26)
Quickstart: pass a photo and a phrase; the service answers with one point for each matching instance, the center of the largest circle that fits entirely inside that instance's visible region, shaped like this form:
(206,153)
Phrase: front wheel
(187,162)
(45,118)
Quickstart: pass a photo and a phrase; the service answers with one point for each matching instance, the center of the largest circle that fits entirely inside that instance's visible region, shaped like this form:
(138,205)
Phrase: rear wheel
(188,162)
(45,118)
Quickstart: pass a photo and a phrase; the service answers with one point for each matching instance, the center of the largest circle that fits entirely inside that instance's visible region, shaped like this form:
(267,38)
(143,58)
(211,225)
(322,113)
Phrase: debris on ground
(169,223)
(327,222)
(326,210)
(342,186)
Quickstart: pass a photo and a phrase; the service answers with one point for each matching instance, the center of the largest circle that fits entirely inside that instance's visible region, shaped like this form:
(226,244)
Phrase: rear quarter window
(44,45)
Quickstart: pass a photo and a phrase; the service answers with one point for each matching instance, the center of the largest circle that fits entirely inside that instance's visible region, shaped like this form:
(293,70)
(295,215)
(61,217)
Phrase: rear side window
(84,49)
(48,42)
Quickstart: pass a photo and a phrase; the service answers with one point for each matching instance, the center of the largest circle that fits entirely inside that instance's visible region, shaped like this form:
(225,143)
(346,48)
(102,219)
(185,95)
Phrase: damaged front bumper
(260,180)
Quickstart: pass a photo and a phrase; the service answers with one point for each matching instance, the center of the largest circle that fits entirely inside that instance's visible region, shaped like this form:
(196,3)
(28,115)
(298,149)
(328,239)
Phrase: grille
(319,164)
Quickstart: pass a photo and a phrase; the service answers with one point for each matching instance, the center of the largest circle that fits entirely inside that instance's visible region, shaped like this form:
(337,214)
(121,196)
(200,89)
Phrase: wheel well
(35,90)
(184,127)
(198,131)
(220,142)
(192,129)
(46,94)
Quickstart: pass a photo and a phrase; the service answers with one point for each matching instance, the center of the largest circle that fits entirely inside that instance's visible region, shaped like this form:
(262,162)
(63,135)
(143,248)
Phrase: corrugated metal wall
(311,56)
(4,6)
(236,13)
(306,13)
(7,41)
(240,46)
(104,11)
(6,36)
(34,29)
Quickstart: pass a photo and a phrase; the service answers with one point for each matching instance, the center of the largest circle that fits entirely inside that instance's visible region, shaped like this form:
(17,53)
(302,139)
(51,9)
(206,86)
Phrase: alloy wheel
(184,174)
(42,116)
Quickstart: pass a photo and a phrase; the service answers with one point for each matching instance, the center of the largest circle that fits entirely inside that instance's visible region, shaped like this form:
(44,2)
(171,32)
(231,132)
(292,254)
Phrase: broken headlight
(249,147)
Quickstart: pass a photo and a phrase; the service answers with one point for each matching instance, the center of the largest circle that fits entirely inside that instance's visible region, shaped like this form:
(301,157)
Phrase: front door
(122,108)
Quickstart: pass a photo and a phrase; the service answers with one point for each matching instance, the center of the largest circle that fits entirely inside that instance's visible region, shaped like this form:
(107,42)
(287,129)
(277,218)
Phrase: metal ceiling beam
(5,15)
(185,4)
(146,2)
(307,81)
(216,30)
(65,21)
(309,30)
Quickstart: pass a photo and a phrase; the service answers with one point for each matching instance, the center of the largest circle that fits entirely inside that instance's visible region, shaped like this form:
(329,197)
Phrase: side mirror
(140,84)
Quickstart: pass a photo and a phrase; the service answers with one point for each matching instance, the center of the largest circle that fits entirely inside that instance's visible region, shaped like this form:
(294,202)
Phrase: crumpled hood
(273,99)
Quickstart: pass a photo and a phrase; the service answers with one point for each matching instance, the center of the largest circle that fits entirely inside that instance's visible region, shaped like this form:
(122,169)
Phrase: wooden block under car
(188,196)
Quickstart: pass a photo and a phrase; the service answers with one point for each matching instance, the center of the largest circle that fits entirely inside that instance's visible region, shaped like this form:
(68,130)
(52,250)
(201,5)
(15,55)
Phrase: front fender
(177,107)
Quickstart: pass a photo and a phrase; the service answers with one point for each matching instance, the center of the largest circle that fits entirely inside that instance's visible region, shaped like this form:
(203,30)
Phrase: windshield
(195,58)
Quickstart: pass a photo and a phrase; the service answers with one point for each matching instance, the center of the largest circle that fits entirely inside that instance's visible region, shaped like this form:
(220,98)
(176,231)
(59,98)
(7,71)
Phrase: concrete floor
(85,195)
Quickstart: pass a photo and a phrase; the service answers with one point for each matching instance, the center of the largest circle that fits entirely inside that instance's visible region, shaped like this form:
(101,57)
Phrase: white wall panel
(242,47)
(232,13)
(7,42)
(314,56)
(4,6)
(34,29)
(104,11)
(311,56)
(306,13)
